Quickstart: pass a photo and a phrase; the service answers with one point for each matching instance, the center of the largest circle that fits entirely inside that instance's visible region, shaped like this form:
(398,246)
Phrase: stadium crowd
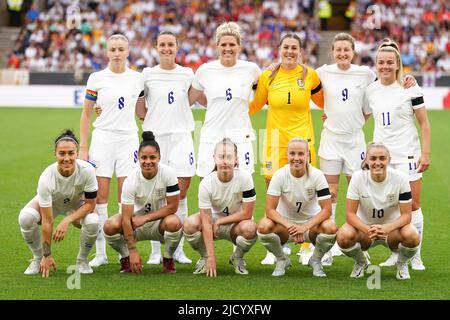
(47,44)
(420,27)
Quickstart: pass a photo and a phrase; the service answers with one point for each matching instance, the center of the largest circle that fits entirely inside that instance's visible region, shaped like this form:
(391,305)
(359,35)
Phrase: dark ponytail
(148,139)
(66,135)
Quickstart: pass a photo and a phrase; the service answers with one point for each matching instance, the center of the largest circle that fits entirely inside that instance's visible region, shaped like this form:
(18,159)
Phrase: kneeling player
(67,187)
(378,212)
(298,208)
(226,201)
(150,199)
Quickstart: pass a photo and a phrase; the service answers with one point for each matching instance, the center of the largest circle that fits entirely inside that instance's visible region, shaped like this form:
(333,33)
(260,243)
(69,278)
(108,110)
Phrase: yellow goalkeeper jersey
(288,98)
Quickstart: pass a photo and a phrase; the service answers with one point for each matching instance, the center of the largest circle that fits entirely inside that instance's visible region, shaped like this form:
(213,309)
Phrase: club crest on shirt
(390,197)
(159,192)
(269,165)
(310,193)
(300,83)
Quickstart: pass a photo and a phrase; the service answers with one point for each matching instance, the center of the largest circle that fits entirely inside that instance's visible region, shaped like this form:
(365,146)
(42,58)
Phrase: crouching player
(298,209)
(149,200)
(378,212)
(226,201)
(67,187)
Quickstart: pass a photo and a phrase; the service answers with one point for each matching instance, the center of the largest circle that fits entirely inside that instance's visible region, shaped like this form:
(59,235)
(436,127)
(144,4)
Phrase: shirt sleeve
(172,188)
(256,73)
(322,188)
(44,192)
(248,189)
(316,89)
(353,192)
(91,180)
(196,82)
(140,85)
(366,106)
(405,190)
(91,88)
(275,185)
(128,191)
(261,93)
(416,94)
(204,196)
(190,76)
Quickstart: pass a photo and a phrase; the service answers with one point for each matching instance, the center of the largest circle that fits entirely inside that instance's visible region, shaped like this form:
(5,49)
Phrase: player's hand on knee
(61,230)
(299,238)
(216,230)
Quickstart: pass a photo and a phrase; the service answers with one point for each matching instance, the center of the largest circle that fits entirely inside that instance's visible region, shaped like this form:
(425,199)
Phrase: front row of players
(298,209)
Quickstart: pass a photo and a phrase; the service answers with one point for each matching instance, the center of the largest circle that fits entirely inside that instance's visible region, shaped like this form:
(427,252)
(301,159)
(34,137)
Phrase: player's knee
(29,218)
(248,229)
(344,238)
(191,225)
(109,228)
(266,226)
(172,223)
(91,223)
(409,237)
(329,227)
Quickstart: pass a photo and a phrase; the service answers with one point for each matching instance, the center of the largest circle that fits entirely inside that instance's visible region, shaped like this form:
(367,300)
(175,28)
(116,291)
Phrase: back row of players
(225,86)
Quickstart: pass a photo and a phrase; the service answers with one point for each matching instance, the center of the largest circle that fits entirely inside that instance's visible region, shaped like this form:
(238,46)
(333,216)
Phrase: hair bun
(148,136)
(68,132)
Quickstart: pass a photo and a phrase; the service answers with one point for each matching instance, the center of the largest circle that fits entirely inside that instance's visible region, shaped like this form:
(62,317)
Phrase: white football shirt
(227,90)
(66,194)
(299,197)
(149,195)
(225,198)
(393,111)
(166,93)
(379,201)
(116,94)
(344,97)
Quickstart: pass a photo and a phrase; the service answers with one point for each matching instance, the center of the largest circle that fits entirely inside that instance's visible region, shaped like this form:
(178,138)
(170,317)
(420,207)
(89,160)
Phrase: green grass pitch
(26,149)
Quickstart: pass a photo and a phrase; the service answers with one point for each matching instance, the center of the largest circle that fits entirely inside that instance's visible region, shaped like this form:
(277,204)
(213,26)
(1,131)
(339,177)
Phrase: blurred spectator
(420,27)
(32,13)
(46,43)
(15,12)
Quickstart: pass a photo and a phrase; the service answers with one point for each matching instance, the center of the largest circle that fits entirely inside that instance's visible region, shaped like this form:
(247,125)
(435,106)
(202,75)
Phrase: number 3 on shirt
(228,94)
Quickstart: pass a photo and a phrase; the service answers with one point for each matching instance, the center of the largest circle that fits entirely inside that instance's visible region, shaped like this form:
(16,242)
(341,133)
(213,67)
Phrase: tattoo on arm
(131,243)
(46,249)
